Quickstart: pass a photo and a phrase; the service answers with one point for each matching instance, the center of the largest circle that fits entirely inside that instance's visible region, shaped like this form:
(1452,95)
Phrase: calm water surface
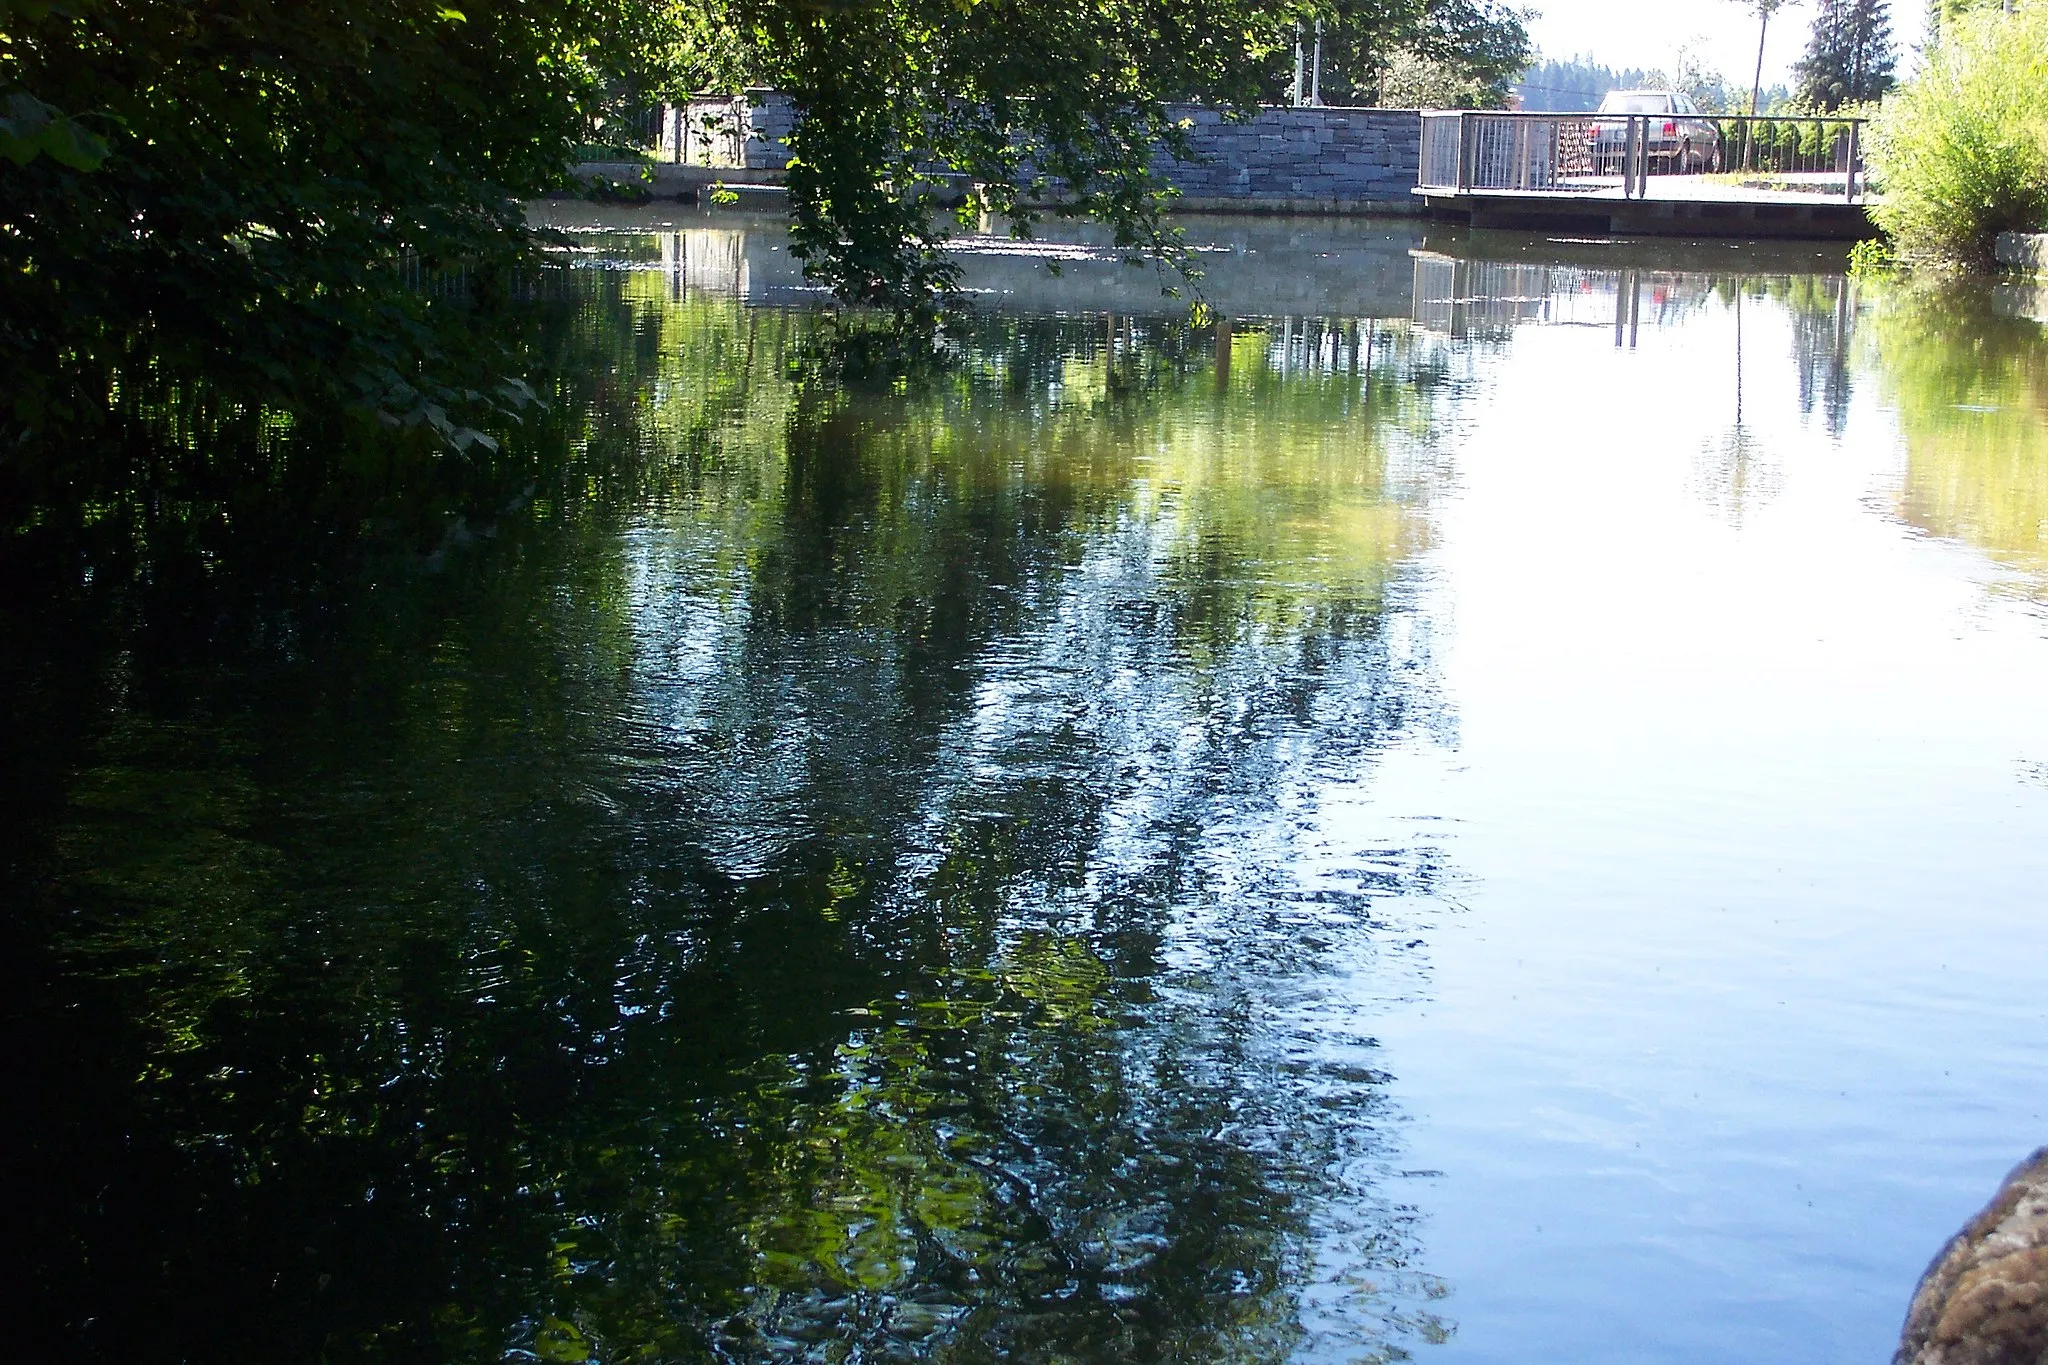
(1493,808)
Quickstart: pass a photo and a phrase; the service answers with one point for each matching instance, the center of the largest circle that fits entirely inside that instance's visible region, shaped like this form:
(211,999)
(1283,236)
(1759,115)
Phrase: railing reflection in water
(1486,300)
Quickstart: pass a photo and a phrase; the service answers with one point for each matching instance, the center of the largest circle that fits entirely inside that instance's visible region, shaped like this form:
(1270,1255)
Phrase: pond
(1490,806)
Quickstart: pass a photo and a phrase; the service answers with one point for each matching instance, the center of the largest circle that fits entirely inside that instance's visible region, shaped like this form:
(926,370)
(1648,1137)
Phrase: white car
(1679,139)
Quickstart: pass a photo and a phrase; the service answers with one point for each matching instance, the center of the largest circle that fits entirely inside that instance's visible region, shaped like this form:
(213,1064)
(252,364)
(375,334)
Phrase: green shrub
(1962,149)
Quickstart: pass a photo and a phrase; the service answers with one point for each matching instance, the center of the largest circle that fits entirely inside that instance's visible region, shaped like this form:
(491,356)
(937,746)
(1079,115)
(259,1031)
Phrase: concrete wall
(1282,160)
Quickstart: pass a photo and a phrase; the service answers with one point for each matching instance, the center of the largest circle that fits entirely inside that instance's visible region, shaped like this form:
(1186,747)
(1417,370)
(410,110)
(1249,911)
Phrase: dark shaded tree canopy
(247,175)
(1024,101)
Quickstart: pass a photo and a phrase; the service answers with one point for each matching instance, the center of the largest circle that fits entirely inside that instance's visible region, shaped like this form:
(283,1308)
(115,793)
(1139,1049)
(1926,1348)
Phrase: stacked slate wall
(768,125)
(727,132)
(1282,160)
(1301,161)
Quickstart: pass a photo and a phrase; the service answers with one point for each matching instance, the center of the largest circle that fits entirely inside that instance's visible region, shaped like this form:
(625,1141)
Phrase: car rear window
(1636,104)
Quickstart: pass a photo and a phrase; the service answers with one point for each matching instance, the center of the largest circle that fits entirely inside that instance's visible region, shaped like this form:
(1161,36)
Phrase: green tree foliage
(1850,57)
(228,185)
(1942,13)
(29,127)
(1021,105)
(1962,148)
(1706,87)
(1015,103)
(1408,53)
(241,187)
(1413,81)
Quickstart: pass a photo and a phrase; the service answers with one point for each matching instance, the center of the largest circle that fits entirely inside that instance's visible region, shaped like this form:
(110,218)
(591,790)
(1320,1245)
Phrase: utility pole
(1315,95)
(1756,85)
(1764,10)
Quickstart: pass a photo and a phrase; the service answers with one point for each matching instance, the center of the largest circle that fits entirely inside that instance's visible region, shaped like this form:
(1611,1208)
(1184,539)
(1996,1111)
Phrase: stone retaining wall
(1332,160)
(2023,251)
(1282,160)
(727,132)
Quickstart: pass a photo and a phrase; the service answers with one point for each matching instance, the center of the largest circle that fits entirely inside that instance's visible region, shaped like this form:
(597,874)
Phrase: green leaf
(30,128)
(559,1341)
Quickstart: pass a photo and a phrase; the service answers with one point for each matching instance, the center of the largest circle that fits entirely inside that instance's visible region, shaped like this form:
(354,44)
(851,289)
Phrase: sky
(1649,33)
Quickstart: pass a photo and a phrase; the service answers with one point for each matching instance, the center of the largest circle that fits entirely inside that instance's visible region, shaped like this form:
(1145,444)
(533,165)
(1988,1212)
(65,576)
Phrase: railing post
(1849,171)
(1466,130)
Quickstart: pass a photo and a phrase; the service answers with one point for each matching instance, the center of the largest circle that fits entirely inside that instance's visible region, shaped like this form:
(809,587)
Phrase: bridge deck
(1677,205)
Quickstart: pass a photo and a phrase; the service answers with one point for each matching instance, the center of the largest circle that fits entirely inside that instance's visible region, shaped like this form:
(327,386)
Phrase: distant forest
(1573,84)
(1577,83)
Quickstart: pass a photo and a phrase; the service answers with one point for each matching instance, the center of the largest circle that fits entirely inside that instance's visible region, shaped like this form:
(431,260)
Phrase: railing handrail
(1571,115)
(1501,149)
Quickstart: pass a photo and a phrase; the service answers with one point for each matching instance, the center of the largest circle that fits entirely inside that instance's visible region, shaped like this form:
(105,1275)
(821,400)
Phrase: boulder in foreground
(1984,1301)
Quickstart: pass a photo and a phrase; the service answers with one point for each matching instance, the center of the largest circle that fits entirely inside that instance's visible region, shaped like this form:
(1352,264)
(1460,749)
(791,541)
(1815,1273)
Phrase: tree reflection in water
(1969,382)
(825,872)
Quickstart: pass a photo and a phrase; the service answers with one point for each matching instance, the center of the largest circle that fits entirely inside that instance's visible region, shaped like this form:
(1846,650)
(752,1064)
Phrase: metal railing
(710,130)
(1640,154)
(634,129)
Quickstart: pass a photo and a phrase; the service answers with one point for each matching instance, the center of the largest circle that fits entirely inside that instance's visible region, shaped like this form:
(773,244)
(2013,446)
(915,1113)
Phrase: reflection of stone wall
(1280,160)
(1254,266)
(708,260)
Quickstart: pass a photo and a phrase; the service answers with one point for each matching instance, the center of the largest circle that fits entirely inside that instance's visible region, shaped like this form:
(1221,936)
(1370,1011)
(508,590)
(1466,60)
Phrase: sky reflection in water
(1455,821)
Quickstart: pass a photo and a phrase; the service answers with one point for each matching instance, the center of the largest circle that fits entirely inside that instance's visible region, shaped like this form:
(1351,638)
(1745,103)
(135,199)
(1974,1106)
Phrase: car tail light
(1670,130)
